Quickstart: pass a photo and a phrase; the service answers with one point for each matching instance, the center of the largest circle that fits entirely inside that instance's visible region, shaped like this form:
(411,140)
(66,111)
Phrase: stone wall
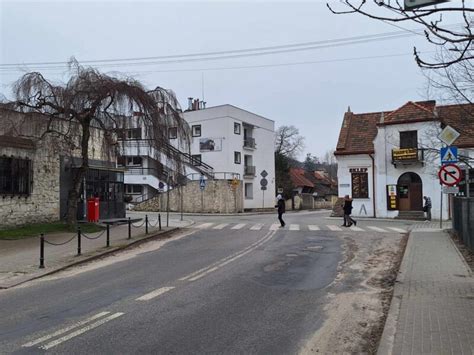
(217,197)
(42,205)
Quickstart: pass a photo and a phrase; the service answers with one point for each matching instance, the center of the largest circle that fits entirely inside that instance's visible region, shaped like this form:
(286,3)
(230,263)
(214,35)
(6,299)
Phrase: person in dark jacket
(281,209)
(427,207)
(347,207)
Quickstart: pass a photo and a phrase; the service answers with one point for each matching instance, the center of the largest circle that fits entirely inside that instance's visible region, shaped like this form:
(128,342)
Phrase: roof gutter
(373,184)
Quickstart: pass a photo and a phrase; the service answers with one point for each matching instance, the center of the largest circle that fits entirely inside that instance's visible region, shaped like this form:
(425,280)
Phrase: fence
(79,235)
(463,219)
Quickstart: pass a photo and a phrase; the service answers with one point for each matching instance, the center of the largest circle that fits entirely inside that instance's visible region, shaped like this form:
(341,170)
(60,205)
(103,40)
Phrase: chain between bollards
(41,251)
(159,221)
(78,240)
(129,228)
(146,224)
(108,236)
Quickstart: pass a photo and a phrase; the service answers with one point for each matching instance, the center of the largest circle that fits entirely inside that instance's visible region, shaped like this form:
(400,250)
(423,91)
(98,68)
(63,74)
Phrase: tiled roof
(358,131)
(298,179)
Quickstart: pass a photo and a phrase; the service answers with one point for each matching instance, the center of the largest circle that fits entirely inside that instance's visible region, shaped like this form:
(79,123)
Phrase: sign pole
(441,210)
(263,198)
(466,176)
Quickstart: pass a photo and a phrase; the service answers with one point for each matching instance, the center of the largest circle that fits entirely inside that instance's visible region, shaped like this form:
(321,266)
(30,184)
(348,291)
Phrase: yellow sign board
(405,154)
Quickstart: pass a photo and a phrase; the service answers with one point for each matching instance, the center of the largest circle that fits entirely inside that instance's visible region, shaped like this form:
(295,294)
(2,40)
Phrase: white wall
(218,123)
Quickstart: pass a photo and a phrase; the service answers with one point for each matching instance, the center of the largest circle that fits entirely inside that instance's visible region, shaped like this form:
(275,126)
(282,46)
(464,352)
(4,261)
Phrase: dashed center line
(154,294)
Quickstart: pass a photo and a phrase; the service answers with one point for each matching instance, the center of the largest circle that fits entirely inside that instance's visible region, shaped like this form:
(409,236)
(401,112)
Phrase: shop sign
(404,154)
(358,170)
(392,198)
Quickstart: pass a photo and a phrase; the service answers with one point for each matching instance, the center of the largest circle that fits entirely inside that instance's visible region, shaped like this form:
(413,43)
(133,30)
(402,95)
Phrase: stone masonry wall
(42,205)
(217,197)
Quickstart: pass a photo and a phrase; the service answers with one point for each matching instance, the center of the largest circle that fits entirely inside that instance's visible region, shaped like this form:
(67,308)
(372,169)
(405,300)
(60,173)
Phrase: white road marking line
(274,227)
(64,330)
(154,294)
(377,229)
(334,228)
(262,241)
(294,227)
(220,261)
(313,227)
(221,226)
(239,226)
(256,227)
(397,229)
(204,225)
(357,229)
(80,331)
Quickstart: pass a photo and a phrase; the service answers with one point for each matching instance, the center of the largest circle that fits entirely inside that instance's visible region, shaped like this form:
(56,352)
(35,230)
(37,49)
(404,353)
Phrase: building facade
(236,143)
(387,161)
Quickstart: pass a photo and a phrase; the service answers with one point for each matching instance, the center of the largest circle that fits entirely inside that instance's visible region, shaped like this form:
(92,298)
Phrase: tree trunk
(79,174)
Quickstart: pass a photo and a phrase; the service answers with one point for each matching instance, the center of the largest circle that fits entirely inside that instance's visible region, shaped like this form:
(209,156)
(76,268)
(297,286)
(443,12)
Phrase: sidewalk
(432,309)
(20,259)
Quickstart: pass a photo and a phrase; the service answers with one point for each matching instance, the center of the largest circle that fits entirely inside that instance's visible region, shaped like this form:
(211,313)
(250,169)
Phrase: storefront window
(360,185)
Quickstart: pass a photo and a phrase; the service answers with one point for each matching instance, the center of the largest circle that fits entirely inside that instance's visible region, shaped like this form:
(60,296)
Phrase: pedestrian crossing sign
(449,155)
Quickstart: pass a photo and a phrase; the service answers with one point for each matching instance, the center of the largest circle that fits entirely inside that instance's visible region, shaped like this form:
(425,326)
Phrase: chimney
(196,105)
(190,103)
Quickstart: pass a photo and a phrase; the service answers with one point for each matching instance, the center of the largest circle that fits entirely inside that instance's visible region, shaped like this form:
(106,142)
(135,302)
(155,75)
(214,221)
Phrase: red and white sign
(449,174)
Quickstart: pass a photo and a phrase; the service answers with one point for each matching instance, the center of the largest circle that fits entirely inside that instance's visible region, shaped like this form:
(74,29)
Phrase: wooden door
(416,197)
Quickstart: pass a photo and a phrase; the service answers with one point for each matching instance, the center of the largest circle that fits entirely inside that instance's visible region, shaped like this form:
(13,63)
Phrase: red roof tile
(298,179)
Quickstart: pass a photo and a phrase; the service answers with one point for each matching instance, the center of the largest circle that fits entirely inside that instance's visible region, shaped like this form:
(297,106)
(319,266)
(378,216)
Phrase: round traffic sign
(263,182)
(449,174)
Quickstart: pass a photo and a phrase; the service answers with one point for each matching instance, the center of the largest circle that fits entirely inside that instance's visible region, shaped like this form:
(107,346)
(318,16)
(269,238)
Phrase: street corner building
(387,161)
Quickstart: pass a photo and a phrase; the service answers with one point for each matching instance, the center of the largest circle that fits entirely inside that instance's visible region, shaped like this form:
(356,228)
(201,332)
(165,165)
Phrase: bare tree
(457,39)
(289,142)
(93,101)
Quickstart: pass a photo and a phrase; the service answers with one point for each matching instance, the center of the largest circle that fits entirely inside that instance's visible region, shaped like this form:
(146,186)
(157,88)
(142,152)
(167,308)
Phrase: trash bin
(93,209)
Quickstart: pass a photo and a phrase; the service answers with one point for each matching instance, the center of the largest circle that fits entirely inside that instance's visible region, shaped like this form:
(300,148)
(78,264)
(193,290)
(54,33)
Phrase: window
(248,191)
(408,139)
(15,176)
(360,185)
(196,130)
(197,159)
(237,157)
(236,128)
(173,132)
(133,189)
(134,161)
(129,134)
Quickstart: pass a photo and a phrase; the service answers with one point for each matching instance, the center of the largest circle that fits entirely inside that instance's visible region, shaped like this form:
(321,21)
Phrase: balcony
(249,143)
(249,171)
(407,156)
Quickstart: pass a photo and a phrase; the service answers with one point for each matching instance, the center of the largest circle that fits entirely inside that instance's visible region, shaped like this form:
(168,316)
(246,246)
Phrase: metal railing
(143,171)
(249,142)
(249,170)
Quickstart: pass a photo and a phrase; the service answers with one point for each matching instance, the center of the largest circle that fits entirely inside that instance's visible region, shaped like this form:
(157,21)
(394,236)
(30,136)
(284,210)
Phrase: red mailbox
(93,209)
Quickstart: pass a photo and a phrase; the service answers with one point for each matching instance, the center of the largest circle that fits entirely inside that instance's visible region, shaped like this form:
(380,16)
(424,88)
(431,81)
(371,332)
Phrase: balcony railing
(249,142)
(249,170)
(407,156)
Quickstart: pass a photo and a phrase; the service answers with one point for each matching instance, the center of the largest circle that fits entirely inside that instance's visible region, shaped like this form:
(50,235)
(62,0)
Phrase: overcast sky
(312,96)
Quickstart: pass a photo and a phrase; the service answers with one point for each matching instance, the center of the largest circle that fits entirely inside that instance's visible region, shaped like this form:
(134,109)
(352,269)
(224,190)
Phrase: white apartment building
(238,143)
(387,161)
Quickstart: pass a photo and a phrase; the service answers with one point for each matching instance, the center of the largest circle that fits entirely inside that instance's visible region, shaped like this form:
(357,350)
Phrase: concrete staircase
(411,215)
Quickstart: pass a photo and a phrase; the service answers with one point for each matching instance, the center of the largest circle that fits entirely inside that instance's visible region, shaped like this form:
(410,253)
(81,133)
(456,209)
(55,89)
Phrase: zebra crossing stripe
(313,227)
(204,225)
(221,226)
(377,229)
(357,229)
(274,227)
(294,227)
(238,226)
(334,228)
(257,227)
(397,229)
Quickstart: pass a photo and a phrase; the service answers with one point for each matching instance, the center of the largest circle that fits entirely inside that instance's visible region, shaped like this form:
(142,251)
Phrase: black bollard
(108,236)
(146,224)
(159,220)
(41,251)
(78,240)
(129,228)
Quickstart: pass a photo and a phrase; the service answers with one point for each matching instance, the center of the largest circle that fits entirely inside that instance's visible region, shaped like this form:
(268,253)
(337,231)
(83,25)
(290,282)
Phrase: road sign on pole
(449,175)
(202,183)
(448,135)
(449,155)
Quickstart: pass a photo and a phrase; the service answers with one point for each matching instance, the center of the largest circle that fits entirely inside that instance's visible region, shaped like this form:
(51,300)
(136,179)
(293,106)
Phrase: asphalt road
(224,290)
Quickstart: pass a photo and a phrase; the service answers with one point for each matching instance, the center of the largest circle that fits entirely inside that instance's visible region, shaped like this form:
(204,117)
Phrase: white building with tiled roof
(387,161)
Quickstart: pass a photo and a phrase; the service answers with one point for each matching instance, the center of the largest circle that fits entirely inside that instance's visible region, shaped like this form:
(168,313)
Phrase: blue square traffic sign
(449,155)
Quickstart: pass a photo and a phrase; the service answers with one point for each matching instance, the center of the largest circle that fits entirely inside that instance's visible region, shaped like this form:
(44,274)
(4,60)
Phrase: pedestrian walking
(347,207)
(427,207)
(281,209)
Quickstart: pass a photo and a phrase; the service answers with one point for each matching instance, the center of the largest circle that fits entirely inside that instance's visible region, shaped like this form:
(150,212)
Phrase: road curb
(94,257)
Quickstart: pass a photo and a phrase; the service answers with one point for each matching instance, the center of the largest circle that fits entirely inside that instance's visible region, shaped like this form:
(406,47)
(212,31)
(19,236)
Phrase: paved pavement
(20,259)
(433,303)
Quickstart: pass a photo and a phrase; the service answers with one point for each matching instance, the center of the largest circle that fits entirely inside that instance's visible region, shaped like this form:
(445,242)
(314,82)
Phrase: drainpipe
(373,184)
